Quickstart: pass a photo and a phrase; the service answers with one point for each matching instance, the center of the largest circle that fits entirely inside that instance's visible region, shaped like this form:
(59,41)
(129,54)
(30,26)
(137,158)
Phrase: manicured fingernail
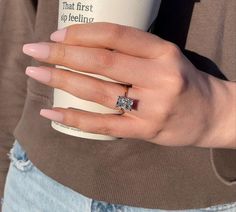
(52,115)
(40,74)
(59,35)
(37,50)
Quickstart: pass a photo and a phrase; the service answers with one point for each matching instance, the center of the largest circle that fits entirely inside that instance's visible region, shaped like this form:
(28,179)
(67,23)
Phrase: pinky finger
(122,126)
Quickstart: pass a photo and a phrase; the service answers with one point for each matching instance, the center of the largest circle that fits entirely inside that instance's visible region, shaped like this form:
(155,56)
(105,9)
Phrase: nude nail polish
(37,50)
(59,35)
(52,115)
(39,74)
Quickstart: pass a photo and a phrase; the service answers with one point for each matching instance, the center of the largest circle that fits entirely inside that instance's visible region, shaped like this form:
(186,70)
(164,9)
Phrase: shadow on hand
(204,64)
(173,24)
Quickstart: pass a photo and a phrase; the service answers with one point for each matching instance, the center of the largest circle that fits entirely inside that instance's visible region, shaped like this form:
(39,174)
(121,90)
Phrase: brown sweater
(126,171)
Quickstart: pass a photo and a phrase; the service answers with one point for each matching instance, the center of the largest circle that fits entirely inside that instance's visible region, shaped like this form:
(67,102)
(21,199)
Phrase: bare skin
(178,104)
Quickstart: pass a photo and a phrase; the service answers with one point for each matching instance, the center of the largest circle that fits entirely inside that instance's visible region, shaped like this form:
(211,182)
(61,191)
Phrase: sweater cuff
(224,165)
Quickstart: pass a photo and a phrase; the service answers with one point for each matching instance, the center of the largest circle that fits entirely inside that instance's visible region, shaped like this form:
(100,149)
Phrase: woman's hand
(178,105)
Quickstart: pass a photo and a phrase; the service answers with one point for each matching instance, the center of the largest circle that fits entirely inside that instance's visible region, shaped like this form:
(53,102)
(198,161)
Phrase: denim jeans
(27,189)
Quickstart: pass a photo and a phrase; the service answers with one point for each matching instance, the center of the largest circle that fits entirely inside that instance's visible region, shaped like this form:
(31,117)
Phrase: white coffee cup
(135,13)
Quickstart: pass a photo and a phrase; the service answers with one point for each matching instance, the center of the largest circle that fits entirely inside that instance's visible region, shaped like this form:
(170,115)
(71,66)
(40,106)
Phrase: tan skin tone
(178,104)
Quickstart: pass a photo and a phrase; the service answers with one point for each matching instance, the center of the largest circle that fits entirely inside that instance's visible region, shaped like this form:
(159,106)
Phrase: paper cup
(135,13)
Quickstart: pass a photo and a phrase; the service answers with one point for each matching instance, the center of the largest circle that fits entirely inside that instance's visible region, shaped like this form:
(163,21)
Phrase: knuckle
(106,60)
(178,82)
(150,130)
(181,84)
(151,133)
(173,49)
(101,94)
(103,98)
(71,119)
(57,79)
(163,112)
(104,130)
(115,32)
(58,53)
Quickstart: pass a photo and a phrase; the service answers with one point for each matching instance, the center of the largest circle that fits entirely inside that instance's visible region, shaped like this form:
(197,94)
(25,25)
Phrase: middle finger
(111,64)
(86,87)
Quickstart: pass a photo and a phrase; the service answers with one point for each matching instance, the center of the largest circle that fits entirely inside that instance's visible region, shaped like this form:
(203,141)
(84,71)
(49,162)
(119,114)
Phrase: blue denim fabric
(27,189)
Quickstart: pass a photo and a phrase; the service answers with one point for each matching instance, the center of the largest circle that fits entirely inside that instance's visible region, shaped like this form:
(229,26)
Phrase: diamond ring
(124,102)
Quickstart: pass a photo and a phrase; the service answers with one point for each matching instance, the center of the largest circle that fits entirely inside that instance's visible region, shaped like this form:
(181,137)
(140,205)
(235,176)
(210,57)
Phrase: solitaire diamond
(124,103)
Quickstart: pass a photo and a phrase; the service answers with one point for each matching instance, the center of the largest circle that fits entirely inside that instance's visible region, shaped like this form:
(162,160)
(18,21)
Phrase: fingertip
(52,115)
(59,35)
(37,50)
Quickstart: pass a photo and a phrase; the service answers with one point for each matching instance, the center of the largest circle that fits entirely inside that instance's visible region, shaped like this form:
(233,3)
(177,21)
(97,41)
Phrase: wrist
(231,115)
(221,131)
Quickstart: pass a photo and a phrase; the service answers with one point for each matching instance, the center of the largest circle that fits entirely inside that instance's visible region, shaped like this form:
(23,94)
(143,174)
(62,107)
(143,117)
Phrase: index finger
(124,39)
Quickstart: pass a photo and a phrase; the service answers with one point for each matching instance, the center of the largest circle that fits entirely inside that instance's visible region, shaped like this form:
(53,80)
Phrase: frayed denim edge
(22,165)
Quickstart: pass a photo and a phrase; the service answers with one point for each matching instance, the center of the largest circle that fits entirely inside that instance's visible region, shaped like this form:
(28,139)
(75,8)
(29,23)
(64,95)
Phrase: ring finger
(86,87)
